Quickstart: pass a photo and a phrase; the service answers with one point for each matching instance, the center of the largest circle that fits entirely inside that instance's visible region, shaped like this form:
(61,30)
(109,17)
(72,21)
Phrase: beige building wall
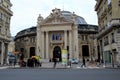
(5,17)
(108,12)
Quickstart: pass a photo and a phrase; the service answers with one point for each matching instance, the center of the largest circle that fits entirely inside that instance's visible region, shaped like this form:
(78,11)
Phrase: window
(56,37)
(110,14)
(109,1)
(1,15)
(112,38)
(84,37)
(1,1)
(53,37)
(108,24)
(106,41)
(0,29)
(6,31)
(118,30)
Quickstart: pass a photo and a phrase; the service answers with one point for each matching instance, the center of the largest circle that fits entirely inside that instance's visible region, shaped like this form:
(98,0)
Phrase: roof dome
(79,19)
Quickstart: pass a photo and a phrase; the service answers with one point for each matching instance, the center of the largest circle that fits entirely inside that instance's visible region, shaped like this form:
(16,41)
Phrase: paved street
(59,74)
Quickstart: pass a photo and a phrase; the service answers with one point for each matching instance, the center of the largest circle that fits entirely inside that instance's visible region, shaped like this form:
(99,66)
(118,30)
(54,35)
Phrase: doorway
(57,53)
(85,51)
(32,51)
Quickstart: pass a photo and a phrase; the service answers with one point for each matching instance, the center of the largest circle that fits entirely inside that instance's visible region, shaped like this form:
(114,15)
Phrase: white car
(74,61)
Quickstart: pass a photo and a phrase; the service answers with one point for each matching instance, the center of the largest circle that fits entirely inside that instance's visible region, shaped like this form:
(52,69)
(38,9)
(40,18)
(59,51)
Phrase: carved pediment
(56,18)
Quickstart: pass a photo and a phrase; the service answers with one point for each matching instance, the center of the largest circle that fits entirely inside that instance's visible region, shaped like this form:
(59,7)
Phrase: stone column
(65,39)
(6,53)
(70,44)
(2,53)
(47,45)
(76,42)
(42,45)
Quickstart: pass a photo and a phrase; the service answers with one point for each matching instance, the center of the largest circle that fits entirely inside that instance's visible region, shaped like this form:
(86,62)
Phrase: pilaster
(65,38)
(47,45)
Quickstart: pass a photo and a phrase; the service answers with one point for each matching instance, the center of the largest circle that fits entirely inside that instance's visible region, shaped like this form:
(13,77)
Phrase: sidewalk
(7,66)
(59,65)
(50,65)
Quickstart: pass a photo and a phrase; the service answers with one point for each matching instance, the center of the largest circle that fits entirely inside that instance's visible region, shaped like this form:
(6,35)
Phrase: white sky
(25,12)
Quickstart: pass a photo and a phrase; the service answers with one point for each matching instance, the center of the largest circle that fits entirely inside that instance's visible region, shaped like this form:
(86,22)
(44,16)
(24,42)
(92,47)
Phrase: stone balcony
(114,23)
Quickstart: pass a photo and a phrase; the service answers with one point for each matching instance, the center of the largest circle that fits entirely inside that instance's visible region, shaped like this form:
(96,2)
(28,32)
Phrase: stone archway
(57,53)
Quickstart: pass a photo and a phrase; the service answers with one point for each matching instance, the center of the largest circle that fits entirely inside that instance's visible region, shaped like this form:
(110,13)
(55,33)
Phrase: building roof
(68,15)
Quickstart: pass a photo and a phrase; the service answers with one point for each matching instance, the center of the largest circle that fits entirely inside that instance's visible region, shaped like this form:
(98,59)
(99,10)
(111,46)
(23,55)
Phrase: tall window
(109,1)
(0,1)
(112,38)
(106,41)
(84,37)
(1,16)
(118,30)
(0,29)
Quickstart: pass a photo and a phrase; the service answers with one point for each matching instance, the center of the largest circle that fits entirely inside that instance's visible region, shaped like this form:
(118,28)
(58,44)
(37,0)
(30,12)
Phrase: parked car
(74,61)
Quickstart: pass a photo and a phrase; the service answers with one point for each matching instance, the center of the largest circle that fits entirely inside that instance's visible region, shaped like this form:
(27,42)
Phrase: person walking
(83,64)
(55,62)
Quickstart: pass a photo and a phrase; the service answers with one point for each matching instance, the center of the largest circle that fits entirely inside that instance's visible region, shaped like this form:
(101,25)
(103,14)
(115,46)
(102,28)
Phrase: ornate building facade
(108,12)
(60,30)
(5,17)
(65,30)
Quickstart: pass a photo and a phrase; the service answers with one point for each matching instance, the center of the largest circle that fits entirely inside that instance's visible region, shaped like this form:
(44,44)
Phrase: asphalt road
(60,74)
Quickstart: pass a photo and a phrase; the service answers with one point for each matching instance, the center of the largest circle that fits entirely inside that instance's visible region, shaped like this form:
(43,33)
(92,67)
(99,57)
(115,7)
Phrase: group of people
(33,61)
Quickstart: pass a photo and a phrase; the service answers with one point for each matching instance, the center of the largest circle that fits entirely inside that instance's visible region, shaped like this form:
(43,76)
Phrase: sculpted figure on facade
(40,19)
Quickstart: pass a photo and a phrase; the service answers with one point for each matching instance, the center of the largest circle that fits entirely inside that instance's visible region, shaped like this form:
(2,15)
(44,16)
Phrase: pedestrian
(21,56)
(55,62)
(83,64)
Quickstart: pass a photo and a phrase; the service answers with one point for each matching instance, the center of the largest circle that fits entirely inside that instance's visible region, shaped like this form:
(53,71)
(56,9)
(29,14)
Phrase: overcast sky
(25,12)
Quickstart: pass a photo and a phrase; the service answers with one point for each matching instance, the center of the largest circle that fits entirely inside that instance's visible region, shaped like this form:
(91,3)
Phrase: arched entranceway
(32,51)
(57,53)
(85,51)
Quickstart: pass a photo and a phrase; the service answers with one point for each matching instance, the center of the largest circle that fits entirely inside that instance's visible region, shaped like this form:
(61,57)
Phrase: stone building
(108,12)
(25,42)
(5,17)
(65,30)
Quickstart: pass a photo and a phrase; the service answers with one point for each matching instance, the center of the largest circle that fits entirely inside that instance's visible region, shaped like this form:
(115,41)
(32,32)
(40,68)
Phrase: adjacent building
(5,17)
(25,42)
(108,12)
